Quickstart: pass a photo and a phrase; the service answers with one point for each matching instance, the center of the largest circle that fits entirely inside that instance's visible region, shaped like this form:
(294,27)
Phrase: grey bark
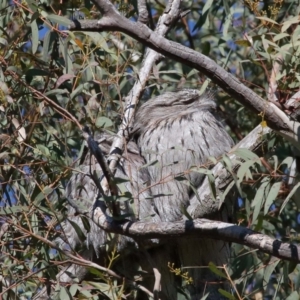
(203,228)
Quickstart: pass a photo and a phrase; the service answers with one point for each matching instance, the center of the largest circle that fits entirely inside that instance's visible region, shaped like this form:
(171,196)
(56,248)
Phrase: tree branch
(113,21)
(204,207)
(201,228)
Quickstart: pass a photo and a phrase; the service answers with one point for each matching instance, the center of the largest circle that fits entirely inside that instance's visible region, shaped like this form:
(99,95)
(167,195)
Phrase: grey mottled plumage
(174,131)
(178,130)
(81,190)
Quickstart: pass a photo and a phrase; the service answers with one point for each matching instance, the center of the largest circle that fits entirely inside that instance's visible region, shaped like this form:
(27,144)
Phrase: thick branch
(201,228)
(113,21)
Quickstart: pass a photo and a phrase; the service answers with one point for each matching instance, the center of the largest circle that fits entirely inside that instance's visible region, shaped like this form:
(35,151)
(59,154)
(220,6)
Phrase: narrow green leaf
(42,195)
(103,122)
(73,289)
(243,43)
(100,285)
(207,6)
(290,195)
(34,36)
(77,90)
(288,23)
(260,197)
(203,298)
(227,163)
(34,223)
(44,150)
(59,19)
(57,92)
(267,19)
(78,230)
(224,194)
(212,159)
(227,25)
(268,271)
(64,294)
(244,168)
(274,190)
(287,161)
(246,154)
(202,171)
(226,294)
(99,40)
(13,209)
(46,45)
(86,223)
(280,36)
(216,270)
(151,163)
(85,293)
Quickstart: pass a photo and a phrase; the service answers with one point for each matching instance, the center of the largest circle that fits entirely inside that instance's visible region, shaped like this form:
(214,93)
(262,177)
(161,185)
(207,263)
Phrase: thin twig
(78,260)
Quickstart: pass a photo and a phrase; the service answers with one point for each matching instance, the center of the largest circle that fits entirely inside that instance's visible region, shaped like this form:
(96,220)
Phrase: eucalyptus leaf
(290,195)
(260,197)
(59,19)
(34,36)
(273,192)
(103,122)
(216,270)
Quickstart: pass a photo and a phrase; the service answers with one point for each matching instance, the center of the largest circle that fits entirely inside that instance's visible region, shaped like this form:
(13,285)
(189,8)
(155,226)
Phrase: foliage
(43,67)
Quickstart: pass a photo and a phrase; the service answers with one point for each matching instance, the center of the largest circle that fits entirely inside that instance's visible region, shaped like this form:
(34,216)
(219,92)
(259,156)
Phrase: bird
(173,134)
(81,191)
(176,133)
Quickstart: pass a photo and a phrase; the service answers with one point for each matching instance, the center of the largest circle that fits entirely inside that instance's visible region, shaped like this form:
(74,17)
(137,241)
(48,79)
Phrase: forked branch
(113,21)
